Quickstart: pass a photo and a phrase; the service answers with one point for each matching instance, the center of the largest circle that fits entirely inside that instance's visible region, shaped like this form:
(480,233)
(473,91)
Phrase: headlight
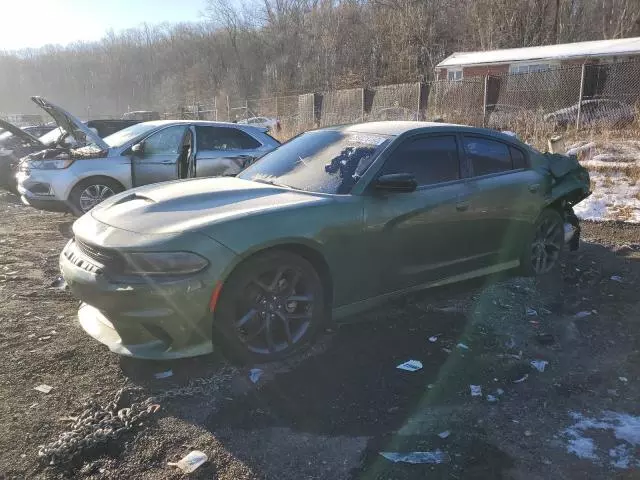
(47,164)
(163,263)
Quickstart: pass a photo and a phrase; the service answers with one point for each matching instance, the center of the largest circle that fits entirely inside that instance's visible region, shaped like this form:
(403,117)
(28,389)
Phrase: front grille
(110,259)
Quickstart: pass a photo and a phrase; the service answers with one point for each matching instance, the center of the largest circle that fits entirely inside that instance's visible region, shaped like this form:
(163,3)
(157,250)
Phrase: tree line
(278,47)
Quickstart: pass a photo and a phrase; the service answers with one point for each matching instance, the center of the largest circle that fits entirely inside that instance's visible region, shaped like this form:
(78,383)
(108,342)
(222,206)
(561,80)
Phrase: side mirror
(138,149)
(396,182)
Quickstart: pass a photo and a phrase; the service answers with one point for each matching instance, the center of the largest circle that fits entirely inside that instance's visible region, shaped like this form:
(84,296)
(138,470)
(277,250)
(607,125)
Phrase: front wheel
(90,192)
(270,307)
(543,250)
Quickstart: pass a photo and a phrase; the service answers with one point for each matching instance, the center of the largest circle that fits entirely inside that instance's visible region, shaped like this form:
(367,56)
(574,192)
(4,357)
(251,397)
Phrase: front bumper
(43,189)
(150,319)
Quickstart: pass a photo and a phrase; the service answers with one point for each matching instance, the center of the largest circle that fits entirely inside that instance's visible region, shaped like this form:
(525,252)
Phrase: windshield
(121,137)
(52,137)
(325,161)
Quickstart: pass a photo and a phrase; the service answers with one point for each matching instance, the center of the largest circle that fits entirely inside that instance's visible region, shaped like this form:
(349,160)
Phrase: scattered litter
(539,364)
(410,365)
(582,314)
(159,375)
(616,278)
(436,456)
(545,338)
(255,374)
(476,390)
(433,339)
(527,433)
(462,346)
(447,350)
(522,379)
(191,462)
(623,379)
(46,337)
(531,312)
(31,335)
(58,283)
(43,388)
(430,386)
(492,398)
(499,391)
(444,434)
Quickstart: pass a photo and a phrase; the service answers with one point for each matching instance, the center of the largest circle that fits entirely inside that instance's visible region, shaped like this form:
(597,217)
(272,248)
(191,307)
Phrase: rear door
(224,151)
(159,161)
(505,197)
(421,236)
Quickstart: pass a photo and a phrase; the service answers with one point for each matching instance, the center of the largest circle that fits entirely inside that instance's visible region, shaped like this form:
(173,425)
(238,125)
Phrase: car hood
(70,123)
(18,132)
(184,205)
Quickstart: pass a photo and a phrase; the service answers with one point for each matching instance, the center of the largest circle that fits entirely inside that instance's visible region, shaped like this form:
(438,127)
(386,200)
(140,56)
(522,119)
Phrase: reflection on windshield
(121,137)
(325,161)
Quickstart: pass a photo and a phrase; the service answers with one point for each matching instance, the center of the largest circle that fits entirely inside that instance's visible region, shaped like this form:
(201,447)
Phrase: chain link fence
(535,104)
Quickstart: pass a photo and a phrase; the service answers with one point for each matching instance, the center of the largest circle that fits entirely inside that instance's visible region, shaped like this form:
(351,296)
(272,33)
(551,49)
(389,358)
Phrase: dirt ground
(329,413)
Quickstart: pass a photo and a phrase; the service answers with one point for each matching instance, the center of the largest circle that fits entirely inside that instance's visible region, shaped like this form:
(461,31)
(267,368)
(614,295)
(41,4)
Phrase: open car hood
(18,132)
(71,124)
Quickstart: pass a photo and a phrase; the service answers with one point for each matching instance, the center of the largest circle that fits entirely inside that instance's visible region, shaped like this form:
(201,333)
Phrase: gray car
(78,179)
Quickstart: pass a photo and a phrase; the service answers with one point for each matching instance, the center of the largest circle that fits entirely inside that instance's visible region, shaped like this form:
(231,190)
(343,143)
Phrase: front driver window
(164,142)
(430,159)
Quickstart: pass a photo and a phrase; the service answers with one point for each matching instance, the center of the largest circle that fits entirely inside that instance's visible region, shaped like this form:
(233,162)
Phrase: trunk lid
(21,134)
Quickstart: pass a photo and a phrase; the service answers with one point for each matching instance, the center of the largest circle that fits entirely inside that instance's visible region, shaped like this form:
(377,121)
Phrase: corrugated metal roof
(599,48)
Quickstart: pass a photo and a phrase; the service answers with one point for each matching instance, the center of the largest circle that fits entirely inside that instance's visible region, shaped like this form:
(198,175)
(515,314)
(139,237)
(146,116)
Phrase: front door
(421,236)
(159,159)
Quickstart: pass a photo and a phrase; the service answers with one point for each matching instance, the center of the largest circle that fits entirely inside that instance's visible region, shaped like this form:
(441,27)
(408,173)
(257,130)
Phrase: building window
(454,74)
(529,68)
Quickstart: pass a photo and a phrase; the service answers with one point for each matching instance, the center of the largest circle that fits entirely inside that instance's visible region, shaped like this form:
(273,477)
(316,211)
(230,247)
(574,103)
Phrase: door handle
(462,206)
(534,187)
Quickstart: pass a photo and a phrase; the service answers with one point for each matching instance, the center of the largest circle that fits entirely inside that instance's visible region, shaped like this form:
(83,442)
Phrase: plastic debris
(255,374)
(159,375)
(433,339)
(191,462)
(444,434)
(410,365)
(539,364)
(531,312)
(616,278)
(623,379)
(436,456)
(492,398)
(462,346)
(582,314)
(59,283)
(527,433)
(521,379)
(476,390)
(43,388)
(499,391)
(446,350)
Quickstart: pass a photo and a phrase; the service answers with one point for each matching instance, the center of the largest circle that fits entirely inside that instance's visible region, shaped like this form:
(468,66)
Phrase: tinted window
(431,160)
(518,158)
(487,156)
(224,138)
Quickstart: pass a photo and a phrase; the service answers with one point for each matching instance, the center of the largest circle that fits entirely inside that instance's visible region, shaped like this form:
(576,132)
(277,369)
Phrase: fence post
(362,104)
(484,102)
(215,108)
(228,110)
(584,67)
(277,113)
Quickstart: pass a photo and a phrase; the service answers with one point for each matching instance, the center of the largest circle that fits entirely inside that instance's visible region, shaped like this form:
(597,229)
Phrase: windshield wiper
(270,182)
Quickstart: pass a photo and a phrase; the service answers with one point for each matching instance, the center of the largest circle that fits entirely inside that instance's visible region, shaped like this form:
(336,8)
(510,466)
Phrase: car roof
(396,128)
(160,123)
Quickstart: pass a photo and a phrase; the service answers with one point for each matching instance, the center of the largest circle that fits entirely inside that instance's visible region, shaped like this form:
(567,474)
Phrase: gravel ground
(328,413)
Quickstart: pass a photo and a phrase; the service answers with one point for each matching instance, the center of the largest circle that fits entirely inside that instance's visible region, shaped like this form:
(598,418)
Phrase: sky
(34,23)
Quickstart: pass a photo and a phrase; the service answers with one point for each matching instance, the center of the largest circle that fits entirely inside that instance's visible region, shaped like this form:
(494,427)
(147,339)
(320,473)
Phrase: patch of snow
(624,427)
(585,148)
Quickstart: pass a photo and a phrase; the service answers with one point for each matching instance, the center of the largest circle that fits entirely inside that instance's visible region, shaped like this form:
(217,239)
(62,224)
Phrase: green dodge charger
(333,222)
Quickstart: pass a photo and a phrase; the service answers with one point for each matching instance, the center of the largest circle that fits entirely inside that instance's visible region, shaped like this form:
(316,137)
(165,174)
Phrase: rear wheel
(543,251)
(92,191)
(270,307)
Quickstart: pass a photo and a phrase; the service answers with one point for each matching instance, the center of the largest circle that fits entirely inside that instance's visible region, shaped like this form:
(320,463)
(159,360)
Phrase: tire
(100,188)
(270,307)
(543,250)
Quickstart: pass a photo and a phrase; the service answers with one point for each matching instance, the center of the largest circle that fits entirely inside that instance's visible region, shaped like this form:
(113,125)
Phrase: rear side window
(431,160)
(224,138)
(518,159)
(487,156)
